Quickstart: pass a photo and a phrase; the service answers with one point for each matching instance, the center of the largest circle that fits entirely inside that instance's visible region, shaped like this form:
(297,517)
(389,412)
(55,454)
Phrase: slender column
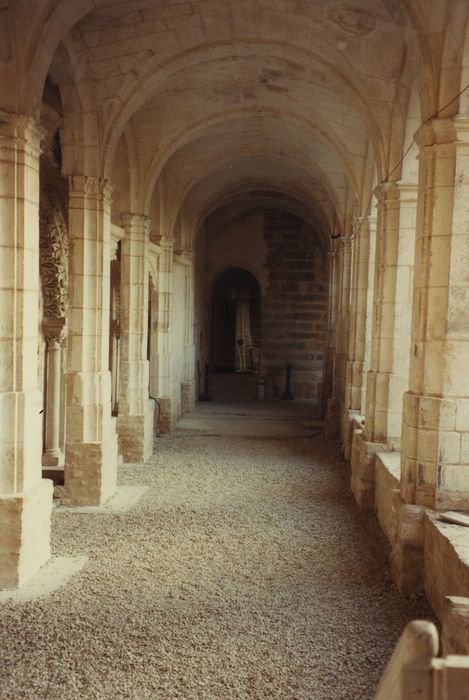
(25,498)
(357,331)
(135,420)
(384,313)
(369,296)
(345,252)
(91,446)
(188,388)
(330,384)
(167,417)
(377,348)
(54,334)
(435,429)
(358,318)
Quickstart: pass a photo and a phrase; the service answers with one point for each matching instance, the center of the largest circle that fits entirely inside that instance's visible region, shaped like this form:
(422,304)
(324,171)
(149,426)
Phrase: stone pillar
(345,254)
(25,498)
(435,428)
(388,376)
(91,439)
(372,440)
(390,344)
(167,416)
(372,224)
(54,334)
(188,385)
(331,422)
(355,370)
(135,419)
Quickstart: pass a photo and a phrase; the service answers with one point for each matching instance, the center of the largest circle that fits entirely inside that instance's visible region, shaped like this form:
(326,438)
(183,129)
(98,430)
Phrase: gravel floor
(246,571)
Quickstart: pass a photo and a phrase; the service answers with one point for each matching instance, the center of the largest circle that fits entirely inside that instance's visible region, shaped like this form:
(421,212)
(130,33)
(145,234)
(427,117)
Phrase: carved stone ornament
(53,259)
(54,331)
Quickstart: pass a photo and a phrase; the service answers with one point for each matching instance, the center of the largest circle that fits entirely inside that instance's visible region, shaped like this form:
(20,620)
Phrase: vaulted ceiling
(210,98)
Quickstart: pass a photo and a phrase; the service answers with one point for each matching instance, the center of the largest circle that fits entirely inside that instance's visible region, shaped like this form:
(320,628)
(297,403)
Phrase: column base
(167,418)
(25,524)
(407,558)
(91,472)
(136,435)
(53,459)
(363,469)
(187,397)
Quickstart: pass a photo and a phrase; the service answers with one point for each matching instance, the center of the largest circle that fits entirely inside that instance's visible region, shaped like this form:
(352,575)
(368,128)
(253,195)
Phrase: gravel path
(246,571)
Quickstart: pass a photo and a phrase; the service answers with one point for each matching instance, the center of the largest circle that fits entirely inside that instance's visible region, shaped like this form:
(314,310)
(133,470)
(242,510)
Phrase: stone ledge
(391,461)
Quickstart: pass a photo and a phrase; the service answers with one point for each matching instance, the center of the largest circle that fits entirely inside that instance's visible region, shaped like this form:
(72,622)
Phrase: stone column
(369,294)
(54,334)
(167,417)
(25,498)
(91,441)
(331,422)
(372,439)
(357,334)
(135,419)
(188,388)
(345,254)
(435,429)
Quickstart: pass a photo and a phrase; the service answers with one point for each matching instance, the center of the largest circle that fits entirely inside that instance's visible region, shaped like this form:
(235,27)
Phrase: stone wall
(294,310)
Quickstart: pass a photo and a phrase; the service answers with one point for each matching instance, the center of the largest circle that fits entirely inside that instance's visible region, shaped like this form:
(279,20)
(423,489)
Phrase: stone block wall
(294,310)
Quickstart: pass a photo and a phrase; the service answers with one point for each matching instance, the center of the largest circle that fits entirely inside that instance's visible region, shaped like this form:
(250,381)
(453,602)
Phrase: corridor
(246,571)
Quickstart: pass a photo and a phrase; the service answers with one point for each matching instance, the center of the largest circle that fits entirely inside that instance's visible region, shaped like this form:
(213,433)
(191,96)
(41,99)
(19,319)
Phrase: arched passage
(262,246)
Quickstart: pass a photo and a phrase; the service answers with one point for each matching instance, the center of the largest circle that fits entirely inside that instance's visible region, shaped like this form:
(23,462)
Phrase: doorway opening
(236,322)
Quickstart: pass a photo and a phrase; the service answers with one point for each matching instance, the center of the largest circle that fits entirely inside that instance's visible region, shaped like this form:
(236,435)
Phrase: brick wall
(294,309)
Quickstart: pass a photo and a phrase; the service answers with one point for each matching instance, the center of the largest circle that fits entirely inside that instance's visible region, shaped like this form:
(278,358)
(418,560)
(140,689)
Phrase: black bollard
(287,395)
(205,395)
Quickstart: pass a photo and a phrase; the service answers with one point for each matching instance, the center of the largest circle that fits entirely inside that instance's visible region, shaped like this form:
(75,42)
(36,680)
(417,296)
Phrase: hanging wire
(398,165)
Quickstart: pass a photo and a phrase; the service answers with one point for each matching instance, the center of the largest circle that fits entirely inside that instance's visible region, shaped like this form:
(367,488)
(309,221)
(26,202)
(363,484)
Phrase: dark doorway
(236,323)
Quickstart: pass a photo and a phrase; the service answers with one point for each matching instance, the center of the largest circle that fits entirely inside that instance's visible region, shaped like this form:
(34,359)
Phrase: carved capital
(136,224)
(54,331)
(20,128)
(436,131)
(90,187)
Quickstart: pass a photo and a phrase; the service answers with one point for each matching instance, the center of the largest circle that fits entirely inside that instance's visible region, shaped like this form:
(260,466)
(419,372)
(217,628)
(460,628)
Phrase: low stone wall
(427,554)
(387,471)
(446,562)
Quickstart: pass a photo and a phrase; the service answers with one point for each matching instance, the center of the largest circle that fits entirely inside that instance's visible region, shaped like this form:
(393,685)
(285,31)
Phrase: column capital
(55,331)
(20,127)
(408,191)
(136,223)
(386,191)
(185,257)
(436,132)
(90,187)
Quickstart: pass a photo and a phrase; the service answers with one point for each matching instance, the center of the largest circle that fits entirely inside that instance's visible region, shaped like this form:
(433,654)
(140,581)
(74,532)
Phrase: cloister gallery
(240,185)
